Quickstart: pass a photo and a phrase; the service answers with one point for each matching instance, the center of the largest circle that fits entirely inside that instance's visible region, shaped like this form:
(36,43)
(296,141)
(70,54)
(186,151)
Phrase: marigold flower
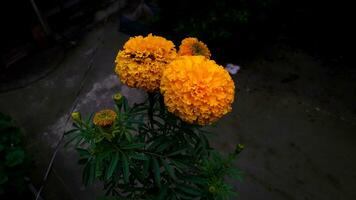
(104,118)
(197,89)
(193,47)
(141,62)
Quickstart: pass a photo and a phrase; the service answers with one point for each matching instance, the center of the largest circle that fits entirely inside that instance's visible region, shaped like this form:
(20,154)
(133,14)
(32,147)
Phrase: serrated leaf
(125,168)
(156,172)
(169,169)
(113,165)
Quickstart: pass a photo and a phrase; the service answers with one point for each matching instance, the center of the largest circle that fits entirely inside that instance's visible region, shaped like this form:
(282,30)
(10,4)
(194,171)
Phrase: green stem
(150,109)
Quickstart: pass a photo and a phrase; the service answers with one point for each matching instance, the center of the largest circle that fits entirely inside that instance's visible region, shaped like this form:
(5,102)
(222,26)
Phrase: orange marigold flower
(104,118)
(193,47)
(197,89)
(141,62)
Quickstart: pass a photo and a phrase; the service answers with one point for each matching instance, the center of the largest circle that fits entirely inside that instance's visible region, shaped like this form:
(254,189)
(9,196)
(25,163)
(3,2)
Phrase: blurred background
(295,105)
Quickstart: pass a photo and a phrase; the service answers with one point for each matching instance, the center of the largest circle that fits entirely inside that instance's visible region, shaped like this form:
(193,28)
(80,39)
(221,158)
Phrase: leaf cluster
(148,153)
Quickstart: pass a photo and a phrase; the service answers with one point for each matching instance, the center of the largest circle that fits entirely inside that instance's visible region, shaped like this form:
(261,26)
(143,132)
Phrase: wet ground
(295,115)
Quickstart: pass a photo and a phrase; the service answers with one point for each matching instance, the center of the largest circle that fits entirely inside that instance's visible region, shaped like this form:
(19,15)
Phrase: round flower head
(197,89)
(141,62)
(104,118)
(193,47)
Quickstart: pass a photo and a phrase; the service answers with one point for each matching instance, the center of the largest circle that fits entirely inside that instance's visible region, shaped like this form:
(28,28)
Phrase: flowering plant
(159,149)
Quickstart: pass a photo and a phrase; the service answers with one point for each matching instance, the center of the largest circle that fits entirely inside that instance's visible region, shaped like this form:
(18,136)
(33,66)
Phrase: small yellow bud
(117,96)
(212,189)
(76,117)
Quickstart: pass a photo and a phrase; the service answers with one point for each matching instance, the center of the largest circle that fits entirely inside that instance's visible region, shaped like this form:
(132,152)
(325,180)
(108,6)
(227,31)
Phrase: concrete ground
(296,117)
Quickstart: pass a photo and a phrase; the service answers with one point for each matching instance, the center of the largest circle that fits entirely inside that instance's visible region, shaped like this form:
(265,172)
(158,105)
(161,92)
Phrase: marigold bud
(212,189)
(76,117)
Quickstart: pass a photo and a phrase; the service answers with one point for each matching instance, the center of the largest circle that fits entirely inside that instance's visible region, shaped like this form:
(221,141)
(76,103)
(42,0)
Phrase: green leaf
(169,169)
(84,153)
(195,179)
(125,168)
(113,165)
(125,104)
(180,165)
(181,150)
(128,136)
(71,131)
(163,146)
(156,172)
(98,171)
(139,156)
(183,196)
(189,190)
(146,166)
(14,157)
(92,172)
(157,141)
(89,173)
(71,139)
(133,146)
(163,193)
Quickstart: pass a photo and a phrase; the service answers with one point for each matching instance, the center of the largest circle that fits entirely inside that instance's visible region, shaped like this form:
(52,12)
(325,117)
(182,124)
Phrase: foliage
(14,161)
(148,153)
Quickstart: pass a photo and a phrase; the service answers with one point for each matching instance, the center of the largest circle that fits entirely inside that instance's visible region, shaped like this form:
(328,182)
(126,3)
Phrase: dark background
(240,27)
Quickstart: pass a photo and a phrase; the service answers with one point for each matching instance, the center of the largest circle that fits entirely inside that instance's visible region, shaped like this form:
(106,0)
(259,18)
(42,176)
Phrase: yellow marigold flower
(141,62)
(104,118)
(193,47)
(197,89)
